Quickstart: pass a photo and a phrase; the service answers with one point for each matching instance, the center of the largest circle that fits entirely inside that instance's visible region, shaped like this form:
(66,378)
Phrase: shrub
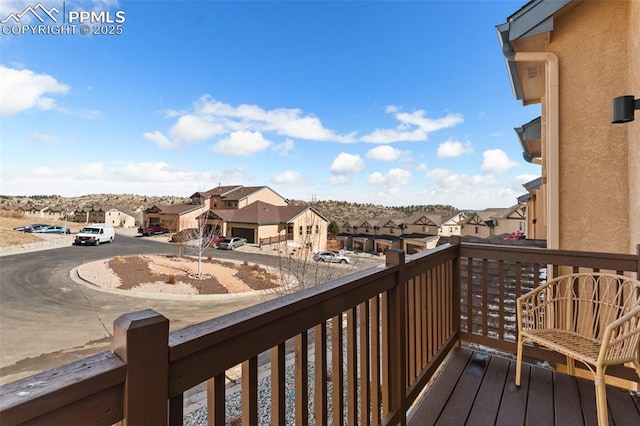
(171,279)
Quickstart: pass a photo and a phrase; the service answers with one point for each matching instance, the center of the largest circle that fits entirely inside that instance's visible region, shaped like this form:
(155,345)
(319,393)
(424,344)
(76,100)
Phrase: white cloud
(23,90)
(43,138)
(160,140)
(451,149)
(289,177)
(146,178)
(384,153)
(209,117)
(395,178)
(190,128)
(284,148)
(497,161)
(242,143)
(346,163)
(413,127)
(339,180)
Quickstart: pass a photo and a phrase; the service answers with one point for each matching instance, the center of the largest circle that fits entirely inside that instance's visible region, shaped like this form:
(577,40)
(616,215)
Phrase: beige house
(573,57)
(264,223)
(237,197)
(465,223)
(174,217)
(505,220)
(536,219)
(411,234)
(109,215)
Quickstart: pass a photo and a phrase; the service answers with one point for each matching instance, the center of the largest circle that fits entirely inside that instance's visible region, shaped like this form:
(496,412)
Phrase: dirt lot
(9,237)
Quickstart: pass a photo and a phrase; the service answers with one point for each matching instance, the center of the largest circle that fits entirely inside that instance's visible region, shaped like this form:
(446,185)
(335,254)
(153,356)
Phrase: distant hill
(334,210)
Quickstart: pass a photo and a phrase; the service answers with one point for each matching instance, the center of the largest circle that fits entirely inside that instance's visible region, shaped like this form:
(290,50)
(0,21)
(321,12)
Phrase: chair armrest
(621,339)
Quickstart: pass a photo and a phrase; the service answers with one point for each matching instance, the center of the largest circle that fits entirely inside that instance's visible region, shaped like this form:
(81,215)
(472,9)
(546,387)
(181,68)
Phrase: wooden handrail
(384,331)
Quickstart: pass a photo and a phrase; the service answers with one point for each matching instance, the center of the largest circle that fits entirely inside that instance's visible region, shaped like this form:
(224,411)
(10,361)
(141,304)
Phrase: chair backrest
(594,300)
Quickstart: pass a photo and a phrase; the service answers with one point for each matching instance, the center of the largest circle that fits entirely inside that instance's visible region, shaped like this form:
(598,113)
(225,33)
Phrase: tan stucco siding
(590,77)
(318,236)
(266,195)
(633,128)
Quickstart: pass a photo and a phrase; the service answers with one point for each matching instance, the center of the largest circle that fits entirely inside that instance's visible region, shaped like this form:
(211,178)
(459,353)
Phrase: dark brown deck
(478,389)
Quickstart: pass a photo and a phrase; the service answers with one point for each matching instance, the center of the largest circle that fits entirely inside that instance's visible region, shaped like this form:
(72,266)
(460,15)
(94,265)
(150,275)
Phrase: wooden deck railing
(373,340)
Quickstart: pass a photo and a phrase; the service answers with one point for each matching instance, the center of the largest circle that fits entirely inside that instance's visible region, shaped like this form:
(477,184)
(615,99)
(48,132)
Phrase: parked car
(331,256)
(231,243)
(152,230)
(215,240)
(52,229)
(34,227)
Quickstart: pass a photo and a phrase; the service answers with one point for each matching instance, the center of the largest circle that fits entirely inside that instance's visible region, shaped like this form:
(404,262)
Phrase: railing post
(141,339)
(397,339)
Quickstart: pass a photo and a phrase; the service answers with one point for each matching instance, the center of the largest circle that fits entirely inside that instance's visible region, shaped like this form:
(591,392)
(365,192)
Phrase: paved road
(47,319)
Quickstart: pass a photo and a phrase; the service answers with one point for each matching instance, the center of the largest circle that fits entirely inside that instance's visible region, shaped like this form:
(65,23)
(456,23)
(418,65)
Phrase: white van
(95,234)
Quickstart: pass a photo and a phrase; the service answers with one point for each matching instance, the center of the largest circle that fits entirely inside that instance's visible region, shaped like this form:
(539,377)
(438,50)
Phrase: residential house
(536,219)
(505,220)
(465,223)
(573,58)
(237,197)
(300,226)
(421,232)
(174,217)
(411,234)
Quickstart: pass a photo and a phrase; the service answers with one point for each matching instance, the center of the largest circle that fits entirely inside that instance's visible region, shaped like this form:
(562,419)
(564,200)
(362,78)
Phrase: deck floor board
(479,389)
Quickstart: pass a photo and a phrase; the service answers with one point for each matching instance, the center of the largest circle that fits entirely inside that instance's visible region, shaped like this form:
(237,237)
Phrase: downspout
(552,128)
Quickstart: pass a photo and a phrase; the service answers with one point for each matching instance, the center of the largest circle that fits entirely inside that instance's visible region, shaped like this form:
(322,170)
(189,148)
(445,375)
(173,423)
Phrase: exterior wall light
(622,109)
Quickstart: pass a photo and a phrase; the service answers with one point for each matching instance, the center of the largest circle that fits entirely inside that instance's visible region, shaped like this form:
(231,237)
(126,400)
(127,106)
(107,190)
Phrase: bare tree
(207,234)
(297,266)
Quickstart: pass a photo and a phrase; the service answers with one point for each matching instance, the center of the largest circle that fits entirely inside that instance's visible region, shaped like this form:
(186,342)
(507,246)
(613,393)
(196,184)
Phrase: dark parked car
(152,230)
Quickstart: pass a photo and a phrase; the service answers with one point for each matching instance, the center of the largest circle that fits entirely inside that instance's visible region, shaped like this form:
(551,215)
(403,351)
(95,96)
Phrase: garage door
(243,233)
(412,248)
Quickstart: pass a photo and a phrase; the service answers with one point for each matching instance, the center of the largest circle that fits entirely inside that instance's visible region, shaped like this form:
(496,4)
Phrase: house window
(366,230)
(424,229)
(317,229)
(309,229)
(477,229)
(451,229)
(391,230)
(308,246)
(300,230)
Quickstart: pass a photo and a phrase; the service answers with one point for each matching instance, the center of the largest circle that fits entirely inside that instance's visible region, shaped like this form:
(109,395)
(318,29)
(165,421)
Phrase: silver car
(331,256)
(231,243)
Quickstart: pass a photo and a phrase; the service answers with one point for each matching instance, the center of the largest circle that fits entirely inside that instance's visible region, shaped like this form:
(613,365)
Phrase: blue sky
(385,102)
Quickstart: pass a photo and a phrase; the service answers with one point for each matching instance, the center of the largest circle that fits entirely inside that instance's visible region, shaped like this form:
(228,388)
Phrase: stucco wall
(591,44)
(633,128)
(266,195)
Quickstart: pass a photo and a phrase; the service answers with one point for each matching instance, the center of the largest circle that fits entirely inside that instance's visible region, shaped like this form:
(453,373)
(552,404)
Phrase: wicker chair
(593,318)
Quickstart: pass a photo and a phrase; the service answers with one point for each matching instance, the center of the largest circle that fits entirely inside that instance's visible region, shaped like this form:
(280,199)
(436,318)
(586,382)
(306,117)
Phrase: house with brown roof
(174,217)
(411,234)
(261,223)
(465,223)
(237,197)
(505,220)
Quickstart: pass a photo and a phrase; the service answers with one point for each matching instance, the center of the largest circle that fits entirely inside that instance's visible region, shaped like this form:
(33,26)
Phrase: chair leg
(601,398)
(571,366)
(519,361)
